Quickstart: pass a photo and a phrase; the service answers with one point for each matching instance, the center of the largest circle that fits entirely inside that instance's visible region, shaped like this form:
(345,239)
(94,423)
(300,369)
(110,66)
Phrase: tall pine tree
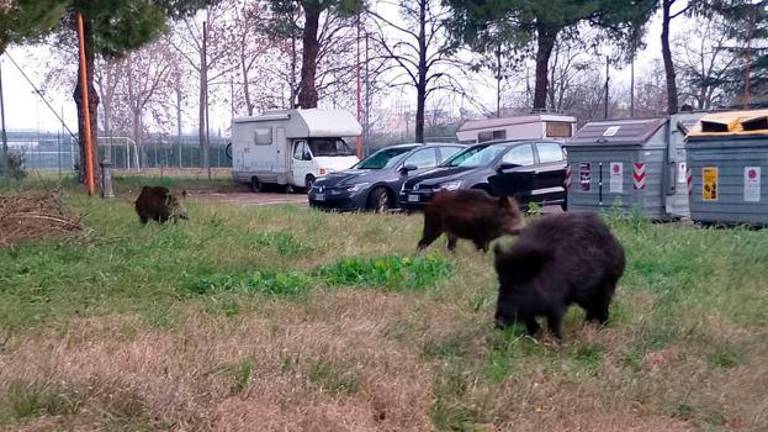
(539,23)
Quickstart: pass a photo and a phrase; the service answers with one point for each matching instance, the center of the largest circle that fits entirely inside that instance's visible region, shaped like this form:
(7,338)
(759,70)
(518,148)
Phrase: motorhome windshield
(461,156)
(382,158)
(329,147)
(483,157)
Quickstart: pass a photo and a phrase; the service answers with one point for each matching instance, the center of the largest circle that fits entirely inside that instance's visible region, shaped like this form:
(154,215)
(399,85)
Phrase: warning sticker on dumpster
(585,176)
(617,177)
(709,186)
(752,184)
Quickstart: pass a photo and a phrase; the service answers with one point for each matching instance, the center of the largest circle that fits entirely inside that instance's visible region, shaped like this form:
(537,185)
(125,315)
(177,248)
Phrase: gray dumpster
(621,164)
(727,153)
(677,179)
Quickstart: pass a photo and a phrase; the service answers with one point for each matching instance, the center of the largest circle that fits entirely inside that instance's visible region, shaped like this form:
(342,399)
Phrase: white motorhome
(291,147)
(534,126)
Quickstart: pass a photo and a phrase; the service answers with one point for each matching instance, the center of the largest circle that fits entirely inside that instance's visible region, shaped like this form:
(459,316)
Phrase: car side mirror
(408,168)
(505,166)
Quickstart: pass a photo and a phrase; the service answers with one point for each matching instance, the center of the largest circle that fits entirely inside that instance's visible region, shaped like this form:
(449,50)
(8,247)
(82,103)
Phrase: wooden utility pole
(4,156)
(367,97)
(204,67)
(607,61)
(88,138)
(748,63)
(359,140)
(632,87)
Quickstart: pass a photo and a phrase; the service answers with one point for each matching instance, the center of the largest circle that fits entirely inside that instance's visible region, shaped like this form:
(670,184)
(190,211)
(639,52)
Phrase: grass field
(282,318)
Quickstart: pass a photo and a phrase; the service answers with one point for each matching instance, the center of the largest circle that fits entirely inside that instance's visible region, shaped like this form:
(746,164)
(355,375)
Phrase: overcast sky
(24,110)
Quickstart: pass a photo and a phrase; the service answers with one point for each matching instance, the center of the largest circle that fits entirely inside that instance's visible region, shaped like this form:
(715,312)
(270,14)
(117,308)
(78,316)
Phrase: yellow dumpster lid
(730,123)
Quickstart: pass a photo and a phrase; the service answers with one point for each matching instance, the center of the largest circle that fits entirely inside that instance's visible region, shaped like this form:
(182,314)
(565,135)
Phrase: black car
(531,171)
(373,183)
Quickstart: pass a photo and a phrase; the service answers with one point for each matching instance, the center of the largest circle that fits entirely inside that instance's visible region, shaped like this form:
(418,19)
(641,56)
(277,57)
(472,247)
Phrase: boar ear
(509,203)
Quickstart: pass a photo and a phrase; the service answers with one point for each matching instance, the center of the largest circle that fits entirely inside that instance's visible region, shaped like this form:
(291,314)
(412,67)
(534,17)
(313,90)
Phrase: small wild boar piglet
(470,214)
(558,260)
(159,204)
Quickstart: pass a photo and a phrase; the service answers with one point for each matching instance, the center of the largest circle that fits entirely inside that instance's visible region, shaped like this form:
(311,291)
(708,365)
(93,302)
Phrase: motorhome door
(283,155)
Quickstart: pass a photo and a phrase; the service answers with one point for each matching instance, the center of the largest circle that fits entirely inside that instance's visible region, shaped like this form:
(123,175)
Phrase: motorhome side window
(262,136)
(558,129)
(491,135)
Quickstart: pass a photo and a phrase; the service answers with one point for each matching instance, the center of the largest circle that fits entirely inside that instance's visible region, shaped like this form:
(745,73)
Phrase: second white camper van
(291,147)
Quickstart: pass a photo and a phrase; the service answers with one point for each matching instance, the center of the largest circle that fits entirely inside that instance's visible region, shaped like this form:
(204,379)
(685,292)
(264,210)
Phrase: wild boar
(159,204)
(558,260)
(470,214)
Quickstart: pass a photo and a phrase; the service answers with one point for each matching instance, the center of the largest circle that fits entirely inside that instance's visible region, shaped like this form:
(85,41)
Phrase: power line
(40,94)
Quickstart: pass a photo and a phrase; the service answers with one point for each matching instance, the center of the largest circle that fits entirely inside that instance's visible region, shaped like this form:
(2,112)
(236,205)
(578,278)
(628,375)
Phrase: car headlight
(356,187)
(449,186)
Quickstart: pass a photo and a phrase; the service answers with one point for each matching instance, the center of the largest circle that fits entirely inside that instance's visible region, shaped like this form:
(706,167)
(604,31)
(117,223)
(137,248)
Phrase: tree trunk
(307,90)
(246,84)
(93,103)
(4,152)
(421,84)
(137,139)
(499,78)
(546,43)
(202,126)
(666,53)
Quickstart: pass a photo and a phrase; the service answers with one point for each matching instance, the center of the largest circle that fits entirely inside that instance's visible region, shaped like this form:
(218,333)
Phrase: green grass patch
(394,273)
(267,283)
(30,399)
(241,376)
(327,377)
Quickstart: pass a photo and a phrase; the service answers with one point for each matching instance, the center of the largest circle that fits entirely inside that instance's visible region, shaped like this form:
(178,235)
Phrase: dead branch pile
(25,217)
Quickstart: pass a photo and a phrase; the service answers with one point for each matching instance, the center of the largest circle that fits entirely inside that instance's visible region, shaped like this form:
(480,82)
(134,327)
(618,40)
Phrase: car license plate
(319,197)
(413,198)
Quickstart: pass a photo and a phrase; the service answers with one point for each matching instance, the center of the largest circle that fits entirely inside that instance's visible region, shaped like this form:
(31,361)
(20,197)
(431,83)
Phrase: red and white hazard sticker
(638,176)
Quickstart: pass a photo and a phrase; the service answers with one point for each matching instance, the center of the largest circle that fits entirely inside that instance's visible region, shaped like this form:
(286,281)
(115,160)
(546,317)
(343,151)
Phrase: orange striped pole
(88,141)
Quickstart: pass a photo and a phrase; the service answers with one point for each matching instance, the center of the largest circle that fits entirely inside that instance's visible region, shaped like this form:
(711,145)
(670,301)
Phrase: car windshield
(460,157)
(483,157)
(329,147)
(383,158)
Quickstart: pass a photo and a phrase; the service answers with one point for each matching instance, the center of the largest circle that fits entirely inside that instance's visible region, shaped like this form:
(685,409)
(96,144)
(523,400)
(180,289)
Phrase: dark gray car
(374,182)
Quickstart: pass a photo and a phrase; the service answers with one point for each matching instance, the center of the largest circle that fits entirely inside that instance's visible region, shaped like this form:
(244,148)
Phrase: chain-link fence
(57,151)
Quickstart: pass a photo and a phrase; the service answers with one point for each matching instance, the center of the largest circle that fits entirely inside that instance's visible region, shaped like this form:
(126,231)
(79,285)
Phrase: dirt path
(247,199)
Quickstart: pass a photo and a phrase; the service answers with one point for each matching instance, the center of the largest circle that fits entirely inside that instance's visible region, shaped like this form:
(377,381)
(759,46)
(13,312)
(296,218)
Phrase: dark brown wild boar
(470,214)
(558,260)
(159,204)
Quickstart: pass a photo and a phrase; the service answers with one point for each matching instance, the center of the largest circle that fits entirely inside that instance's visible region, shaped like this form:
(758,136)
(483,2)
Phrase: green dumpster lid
(617,132)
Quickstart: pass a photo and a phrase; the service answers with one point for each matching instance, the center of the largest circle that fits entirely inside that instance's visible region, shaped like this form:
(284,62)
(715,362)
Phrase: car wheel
(378,200)
(309,182)
(256,185)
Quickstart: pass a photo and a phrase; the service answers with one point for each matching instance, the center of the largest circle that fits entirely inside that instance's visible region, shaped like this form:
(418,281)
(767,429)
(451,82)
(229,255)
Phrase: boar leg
(481,244)
(532,326)
(452,242)
(143,219)
(431,232)
(555,322)
(597,308)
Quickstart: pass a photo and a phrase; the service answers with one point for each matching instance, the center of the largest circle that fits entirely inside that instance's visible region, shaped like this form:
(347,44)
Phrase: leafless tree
(204,42)
(704,62)
(147,84)
(421,51)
